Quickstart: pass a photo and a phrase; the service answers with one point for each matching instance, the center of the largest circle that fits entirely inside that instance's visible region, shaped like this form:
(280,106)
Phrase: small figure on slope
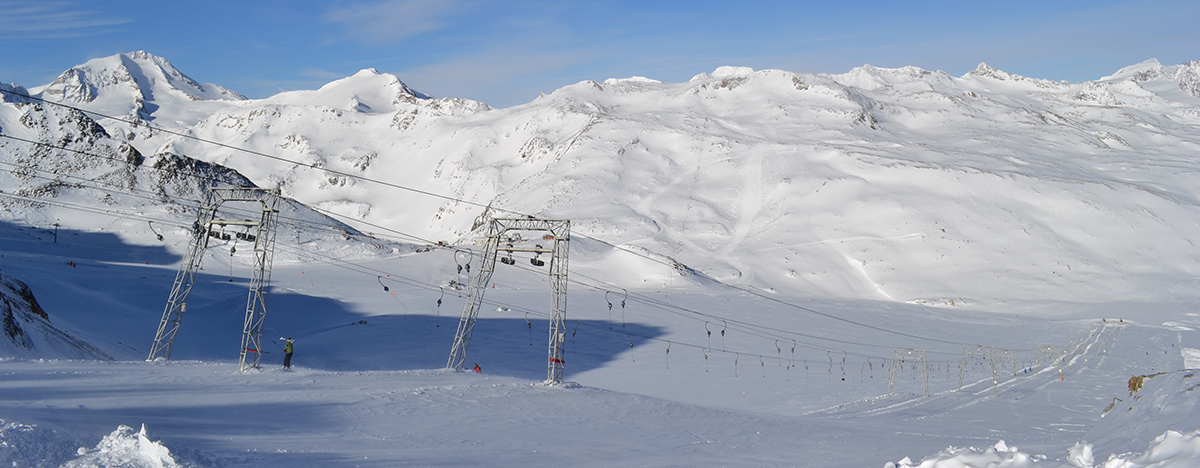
(287,356)
(477,369)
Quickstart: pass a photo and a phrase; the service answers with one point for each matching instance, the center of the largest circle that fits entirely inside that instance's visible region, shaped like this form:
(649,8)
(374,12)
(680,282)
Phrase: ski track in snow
(854,215)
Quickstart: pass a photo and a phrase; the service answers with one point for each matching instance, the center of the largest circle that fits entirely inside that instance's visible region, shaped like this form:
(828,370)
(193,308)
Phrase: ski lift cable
(357,176)
(786,303)
(155,197)
(481,205)
(653,302)
(269,156)
(425,285)
(88,209)
(398,186)
(488,206)
(336,262)
(746,327)
(359,268)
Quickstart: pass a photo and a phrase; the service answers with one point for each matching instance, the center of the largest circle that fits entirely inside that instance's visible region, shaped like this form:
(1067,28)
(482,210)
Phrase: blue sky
(505,53)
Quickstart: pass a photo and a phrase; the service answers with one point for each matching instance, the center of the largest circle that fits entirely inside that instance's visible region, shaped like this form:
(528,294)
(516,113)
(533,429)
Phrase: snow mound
(125,449)
(1191,358)
(31,445)
(1170,450)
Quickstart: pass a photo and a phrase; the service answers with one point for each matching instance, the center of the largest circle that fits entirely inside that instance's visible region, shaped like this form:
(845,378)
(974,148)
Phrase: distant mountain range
(891,184)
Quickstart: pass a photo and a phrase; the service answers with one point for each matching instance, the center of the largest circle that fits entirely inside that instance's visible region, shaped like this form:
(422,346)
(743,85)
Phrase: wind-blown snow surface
(362,394)
(1055,222)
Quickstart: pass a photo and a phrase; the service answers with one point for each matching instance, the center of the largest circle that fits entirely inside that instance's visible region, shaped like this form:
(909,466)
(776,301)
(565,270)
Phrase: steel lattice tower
(256,301)
(558,232)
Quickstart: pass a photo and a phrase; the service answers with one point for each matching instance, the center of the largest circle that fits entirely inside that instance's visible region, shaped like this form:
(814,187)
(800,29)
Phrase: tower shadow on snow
(332,338)
(116,292)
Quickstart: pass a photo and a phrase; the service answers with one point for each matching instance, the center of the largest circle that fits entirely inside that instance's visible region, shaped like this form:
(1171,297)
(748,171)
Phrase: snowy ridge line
(294,221)
(299,164)
(100,156)
(348,219)
(744,290)
(83,184)
(153,196)
(1101,333)
(488,206)
(117,214)
(262,154)
(627,250)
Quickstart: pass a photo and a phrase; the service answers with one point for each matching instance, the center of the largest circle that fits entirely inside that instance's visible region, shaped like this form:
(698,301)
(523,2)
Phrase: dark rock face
(28,332)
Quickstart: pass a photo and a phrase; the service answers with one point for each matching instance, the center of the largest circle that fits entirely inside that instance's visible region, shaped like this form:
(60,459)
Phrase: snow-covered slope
(891,184)
(840,207)
(28,332)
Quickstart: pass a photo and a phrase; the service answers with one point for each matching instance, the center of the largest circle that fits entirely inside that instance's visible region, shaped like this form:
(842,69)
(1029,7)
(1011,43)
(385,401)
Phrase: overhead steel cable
(341,263)
(262,154)
(358,268)
(747,327)
(156,197)
(487,206)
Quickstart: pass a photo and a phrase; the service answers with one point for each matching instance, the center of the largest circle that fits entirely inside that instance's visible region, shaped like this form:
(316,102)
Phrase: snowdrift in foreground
(1169,450)
(127,449)
(33,446)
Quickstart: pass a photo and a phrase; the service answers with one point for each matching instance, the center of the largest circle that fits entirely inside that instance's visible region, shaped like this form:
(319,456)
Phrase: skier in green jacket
(287,357)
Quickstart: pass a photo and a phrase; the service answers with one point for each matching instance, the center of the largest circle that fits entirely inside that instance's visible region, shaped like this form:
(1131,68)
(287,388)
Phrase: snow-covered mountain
(892,184)
(134,85)
(1030,212)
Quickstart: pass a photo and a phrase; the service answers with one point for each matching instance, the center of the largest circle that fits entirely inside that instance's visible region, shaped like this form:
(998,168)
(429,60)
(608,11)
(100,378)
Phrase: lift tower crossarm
(256,301)
(558,233)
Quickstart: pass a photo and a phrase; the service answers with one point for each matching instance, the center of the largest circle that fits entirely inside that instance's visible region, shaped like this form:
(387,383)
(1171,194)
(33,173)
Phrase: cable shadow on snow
(113,294)
(80,246)
(330,337)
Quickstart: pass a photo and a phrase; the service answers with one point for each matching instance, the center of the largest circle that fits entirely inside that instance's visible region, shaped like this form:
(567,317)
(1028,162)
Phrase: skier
(287,357)
(477,369)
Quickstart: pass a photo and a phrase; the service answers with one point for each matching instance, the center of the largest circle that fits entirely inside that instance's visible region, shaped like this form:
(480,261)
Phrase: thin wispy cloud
(52,20)
(503,76)
(392,21)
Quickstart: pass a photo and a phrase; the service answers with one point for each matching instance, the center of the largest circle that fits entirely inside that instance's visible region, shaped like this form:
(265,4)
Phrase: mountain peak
(138,70)
(986,71)
(1144,71)
(122,84)
(367,91)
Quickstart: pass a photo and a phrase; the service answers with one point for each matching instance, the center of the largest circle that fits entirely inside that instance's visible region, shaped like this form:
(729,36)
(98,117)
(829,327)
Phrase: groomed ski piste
(369,388)
(758,261)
